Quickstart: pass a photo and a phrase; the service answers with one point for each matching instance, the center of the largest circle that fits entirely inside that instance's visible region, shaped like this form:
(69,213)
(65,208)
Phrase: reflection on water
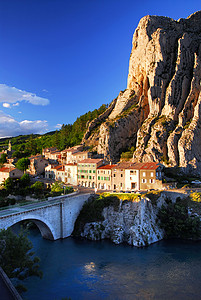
(81,269)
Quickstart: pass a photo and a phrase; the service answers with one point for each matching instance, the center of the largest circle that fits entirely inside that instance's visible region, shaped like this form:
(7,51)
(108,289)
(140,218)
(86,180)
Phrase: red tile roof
(58,168)
(107,167)
(150,166)
(90,161)
(6,169)
(138,166)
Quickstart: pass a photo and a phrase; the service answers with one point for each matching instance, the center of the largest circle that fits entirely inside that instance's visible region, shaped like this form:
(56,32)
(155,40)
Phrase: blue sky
(61,58)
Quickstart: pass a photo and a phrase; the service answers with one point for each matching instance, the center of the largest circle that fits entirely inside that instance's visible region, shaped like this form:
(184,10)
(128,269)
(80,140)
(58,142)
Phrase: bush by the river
(195,197)
(176,221)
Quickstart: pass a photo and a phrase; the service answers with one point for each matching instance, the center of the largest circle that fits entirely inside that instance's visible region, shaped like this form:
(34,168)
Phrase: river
(81,269)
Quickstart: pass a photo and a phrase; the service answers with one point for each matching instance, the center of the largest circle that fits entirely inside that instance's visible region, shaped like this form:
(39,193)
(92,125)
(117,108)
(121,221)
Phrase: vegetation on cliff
(69,135)
(176,221)
(92,211)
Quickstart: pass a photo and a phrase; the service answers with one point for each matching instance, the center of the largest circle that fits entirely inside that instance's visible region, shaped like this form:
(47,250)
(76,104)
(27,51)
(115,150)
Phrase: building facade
(151,176)
(104,177)
(87,172)
(71,174)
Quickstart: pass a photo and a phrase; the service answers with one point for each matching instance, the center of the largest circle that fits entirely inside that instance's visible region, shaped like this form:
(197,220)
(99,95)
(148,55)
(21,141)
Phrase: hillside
(69,135)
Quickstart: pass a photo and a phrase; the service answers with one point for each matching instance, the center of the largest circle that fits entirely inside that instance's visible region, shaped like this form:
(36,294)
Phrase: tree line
(68,136)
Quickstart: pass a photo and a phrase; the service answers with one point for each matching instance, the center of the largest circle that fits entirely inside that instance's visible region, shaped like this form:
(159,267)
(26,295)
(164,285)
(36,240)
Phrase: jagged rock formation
(159,112)
(134,223)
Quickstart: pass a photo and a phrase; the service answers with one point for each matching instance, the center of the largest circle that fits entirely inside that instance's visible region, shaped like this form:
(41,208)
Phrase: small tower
(9,146)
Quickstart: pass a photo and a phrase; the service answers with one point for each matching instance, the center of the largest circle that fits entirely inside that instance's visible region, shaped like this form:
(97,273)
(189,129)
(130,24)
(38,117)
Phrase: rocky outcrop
(159,112)
(134,223)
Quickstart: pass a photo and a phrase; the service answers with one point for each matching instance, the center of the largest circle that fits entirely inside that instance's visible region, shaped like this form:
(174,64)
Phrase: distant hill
(69,135)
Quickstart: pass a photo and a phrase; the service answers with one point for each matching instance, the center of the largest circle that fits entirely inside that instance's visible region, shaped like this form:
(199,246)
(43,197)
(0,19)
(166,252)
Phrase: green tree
(31,146)
(9,185)
(38,187)
(24,180)
(57,188)
(22,164)
(3,158)
(16,257)
(176,221)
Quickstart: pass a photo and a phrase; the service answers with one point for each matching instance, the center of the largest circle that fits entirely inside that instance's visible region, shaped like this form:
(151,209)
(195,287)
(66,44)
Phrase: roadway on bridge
(27,207)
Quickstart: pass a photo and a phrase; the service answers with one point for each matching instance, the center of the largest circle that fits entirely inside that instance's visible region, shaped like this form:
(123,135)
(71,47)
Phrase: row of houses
(77,167)
(95,173)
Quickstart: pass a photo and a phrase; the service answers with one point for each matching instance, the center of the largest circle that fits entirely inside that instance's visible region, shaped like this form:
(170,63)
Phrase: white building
(71,173)
(132,177)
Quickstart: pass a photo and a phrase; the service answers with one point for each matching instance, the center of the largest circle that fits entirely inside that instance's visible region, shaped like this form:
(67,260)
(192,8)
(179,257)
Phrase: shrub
(57,188)
(69,189)
(24,180)
(38,188)
(176,222)
(153,196)
(195,197)
(92,211)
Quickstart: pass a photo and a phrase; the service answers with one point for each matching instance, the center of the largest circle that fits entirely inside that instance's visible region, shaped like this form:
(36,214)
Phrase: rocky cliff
(134,223)
(159,112)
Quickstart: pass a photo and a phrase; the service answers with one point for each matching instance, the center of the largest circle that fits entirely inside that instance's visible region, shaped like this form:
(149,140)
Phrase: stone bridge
(55,218)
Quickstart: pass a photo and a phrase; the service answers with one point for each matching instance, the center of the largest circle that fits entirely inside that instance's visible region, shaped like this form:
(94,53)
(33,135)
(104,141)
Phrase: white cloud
(16,104)
(12,95)
(58,126)
(10,127)
(7,105)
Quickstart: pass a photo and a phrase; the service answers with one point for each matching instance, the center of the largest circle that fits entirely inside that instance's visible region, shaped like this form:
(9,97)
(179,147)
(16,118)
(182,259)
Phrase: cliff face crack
(164,76)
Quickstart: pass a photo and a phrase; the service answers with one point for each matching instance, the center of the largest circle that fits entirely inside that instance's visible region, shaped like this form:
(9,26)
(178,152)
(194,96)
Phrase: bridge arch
(44,227)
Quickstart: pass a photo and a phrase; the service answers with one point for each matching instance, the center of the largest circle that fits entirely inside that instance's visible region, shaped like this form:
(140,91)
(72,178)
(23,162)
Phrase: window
(98,171)
(122,175)
(133,172)
(151,180)
(89,171)
(98,177)
(89,177)
(121,184)
(152,174)
(144,180)
(144,174)
(114,175)
(94,171)
(101,177)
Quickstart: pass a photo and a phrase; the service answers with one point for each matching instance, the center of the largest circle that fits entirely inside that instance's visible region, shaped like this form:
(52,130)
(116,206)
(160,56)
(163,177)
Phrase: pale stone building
(104,177)
(71,173)
(132,177)
(6,172)
(37,165)
(87,172)
(151,176)
(118,176)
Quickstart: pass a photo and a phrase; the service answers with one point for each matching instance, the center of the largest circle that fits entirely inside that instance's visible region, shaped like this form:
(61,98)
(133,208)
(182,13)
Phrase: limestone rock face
(134,223)
(159,112)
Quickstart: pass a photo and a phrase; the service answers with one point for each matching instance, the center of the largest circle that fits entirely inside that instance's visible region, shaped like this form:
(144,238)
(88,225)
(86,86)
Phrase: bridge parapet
(55,218)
